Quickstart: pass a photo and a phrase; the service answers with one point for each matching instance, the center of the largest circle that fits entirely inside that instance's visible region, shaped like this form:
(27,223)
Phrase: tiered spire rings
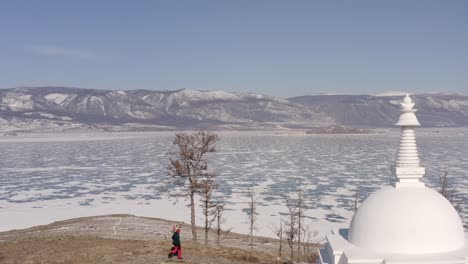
(408,170)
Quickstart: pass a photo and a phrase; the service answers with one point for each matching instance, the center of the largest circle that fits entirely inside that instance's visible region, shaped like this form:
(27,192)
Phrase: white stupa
(406,222)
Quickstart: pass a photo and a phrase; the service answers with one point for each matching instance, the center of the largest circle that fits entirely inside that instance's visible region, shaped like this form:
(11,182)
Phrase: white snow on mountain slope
(97,103)
(47,115)
(186,95)
(141,115)
(18,102)
(119,93)
(56,97)
(187,98)
(391,93)
(194,95)
(452,104)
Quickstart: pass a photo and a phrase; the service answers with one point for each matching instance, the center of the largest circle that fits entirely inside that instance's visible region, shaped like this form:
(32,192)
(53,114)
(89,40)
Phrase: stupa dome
(407,221)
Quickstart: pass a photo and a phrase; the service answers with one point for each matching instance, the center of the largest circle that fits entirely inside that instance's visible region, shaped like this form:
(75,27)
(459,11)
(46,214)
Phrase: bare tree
(300,209)
(207,186)
(219,211)
(279,232)
(310,245)
(294,224)
(252,213)
(444,188)
(290,225)
(356,199)
(448,190)
(188,164)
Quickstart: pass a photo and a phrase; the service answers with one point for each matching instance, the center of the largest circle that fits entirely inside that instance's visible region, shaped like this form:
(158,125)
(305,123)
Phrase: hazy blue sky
(281,48)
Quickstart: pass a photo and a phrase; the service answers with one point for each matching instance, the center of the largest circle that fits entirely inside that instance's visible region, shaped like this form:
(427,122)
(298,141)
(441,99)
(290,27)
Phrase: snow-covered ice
(50,177)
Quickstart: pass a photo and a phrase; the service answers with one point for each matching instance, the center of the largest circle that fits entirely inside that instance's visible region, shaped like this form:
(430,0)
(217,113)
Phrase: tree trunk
(252,218)
(251,235)
(218,216)
(299,235)
(192,216)
(300,201)
(206,222)
(291,245)
(356,200)
(281,238)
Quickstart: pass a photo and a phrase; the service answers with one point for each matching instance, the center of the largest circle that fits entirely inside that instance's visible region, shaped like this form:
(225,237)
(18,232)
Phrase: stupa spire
(407,170)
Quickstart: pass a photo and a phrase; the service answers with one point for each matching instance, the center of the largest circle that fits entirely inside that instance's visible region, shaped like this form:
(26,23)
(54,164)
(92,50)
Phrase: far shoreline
(25,136)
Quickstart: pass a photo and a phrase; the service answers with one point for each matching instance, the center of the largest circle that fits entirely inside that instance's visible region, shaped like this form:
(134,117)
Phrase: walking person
(176,250)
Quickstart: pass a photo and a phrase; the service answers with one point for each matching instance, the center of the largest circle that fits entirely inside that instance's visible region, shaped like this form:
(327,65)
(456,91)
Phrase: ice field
(50,177)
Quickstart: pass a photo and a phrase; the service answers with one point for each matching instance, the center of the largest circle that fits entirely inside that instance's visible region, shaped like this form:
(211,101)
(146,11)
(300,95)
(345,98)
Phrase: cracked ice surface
(50,177)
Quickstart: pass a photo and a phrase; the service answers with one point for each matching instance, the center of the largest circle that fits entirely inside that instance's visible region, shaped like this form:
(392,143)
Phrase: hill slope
(125,239)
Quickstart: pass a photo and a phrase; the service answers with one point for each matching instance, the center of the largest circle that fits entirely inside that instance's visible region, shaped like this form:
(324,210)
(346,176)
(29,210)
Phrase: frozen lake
(49,177)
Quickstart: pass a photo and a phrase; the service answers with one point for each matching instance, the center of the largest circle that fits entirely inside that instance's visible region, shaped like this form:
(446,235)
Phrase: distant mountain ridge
(67,108)
(434,110)
(64,108)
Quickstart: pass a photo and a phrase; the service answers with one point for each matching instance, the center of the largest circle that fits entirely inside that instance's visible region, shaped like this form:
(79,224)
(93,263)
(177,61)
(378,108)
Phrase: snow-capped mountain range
(63,108)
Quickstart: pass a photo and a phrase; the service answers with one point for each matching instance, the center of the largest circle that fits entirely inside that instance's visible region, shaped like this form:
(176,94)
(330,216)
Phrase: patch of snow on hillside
(18,102)
(457,104)
(265,97)
(152,98)
(118,93)
(98,102)
(42,114)
(57,98)
(391,93)
(194,95)
(140,114)
(435,102)
(95,99)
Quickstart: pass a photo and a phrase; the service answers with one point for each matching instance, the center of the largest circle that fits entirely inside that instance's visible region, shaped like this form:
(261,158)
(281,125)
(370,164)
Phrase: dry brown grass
(125,239)
(94,250)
